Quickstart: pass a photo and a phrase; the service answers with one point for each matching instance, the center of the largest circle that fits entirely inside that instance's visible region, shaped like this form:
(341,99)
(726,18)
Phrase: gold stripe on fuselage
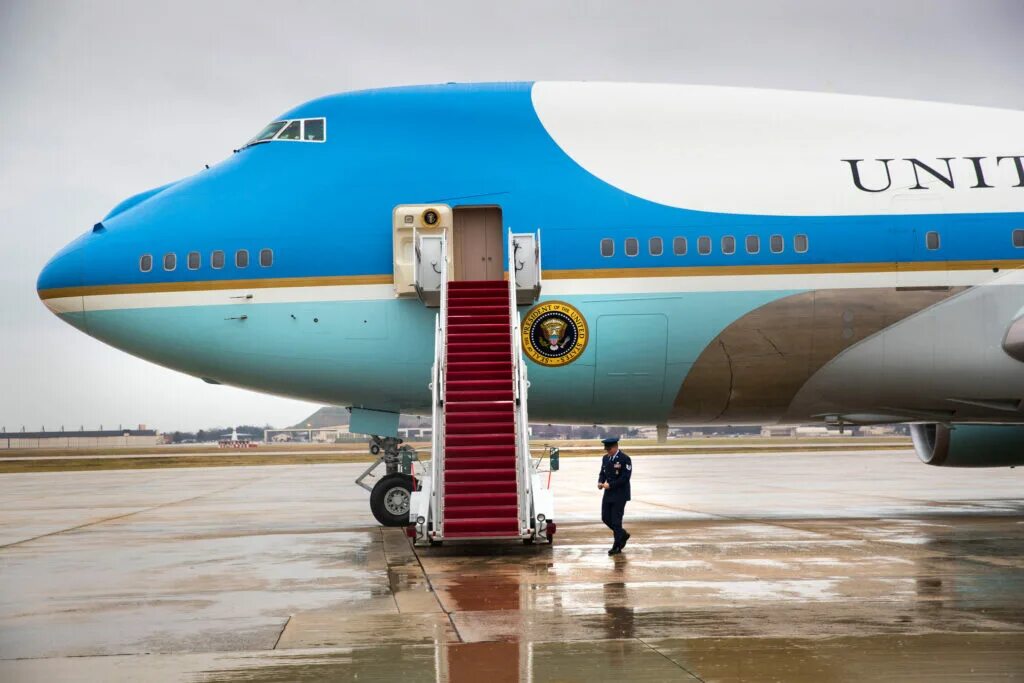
(576,274)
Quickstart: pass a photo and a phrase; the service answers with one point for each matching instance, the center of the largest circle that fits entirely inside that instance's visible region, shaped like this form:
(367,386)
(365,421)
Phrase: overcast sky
(101,100)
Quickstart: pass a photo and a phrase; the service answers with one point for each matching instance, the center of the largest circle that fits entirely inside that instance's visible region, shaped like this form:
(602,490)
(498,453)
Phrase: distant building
(99,438)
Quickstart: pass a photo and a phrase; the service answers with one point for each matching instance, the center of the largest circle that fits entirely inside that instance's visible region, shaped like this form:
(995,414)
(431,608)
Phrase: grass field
(98,459)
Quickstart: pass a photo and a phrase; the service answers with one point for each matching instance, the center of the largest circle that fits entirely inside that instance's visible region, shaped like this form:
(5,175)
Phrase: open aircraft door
(418,219)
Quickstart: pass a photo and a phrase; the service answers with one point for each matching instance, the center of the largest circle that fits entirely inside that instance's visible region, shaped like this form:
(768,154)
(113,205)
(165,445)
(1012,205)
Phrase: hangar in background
(99,438)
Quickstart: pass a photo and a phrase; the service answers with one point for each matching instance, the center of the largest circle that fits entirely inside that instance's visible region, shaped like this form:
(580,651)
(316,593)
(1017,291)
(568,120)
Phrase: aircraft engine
(969,445)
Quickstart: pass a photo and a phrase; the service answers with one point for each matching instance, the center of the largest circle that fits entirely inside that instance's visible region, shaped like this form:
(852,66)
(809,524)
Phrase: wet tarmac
(802,566)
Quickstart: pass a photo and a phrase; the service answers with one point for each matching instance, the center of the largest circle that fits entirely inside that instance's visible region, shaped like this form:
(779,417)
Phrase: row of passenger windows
(933,241)
(194,260)
(680,245)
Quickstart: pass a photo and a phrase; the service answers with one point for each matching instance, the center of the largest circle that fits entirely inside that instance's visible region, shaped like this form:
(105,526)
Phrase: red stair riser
(479,407)
(457,499)
(476,375)
(510,525)
(468,512)
(455,426)
(480,451)
(456,396)
(477,440)
(481,475)
(497,492)
(492,462)
(472,416)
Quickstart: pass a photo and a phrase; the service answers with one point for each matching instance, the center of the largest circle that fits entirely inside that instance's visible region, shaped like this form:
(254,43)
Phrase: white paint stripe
(223,297)
(552,288)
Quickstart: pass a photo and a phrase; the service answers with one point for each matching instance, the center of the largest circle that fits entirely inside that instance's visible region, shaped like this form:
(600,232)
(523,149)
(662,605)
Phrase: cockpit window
(296,130)
(293,131)
(313,130)
(269,132)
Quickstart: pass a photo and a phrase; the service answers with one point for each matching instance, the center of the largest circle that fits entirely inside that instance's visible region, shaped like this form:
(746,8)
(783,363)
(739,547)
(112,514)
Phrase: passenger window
(146,263)
(704,246)
(753,244)
(728,244)
(655,246)
(679,246)
(632,246)
(607,247)
(293,131)
(170,261)
(217,259)
(931,240)
(313,130)
(776,244)
(193,260)
(266,258)
(1018,239)
(800,244)
(242,258)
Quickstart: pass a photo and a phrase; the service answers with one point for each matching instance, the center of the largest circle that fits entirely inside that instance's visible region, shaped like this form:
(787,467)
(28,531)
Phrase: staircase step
(456,396)
(494,343)
(480,462)
(455,320)
(469,366)
(477,337)
(477,406)
(476,497)
(458,374)
(460,303)
(479,440)
(485,451)
(478,423)
(475,416)
(481,511)
(479,384)
(478,284)
(503,474)
(459,329)
(482,310)
(456,427)
(501,525)
(479,357)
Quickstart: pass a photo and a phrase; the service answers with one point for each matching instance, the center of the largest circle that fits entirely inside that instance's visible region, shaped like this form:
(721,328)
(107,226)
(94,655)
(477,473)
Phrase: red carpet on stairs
(479,440)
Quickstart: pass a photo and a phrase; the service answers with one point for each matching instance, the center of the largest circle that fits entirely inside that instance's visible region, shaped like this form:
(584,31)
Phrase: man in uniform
(616,469)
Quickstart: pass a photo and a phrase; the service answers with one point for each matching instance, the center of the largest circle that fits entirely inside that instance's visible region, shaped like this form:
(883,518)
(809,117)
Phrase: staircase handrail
(437,398)
(522,431)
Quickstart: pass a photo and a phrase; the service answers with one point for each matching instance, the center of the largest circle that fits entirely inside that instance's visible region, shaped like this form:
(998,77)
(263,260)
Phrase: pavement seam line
(128,514)
(654,649)
(279,635)
(426,577)
(387,567)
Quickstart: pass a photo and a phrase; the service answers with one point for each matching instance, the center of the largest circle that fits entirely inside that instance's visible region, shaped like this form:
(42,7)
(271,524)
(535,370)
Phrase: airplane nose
(59,278)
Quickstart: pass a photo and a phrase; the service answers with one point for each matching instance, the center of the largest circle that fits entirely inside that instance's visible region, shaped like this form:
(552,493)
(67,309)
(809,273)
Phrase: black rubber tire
(379,496)
(374,449)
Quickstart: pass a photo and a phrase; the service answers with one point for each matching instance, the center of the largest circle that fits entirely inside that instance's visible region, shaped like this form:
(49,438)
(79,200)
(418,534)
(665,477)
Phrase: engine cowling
(969,445)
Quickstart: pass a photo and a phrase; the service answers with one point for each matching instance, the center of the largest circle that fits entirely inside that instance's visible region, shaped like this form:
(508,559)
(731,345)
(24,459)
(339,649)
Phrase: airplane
(695,255)
(236,439)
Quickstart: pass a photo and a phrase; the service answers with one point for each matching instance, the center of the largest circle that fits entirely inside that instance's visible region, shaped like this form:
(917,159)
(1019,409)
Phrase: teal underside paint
(372,353)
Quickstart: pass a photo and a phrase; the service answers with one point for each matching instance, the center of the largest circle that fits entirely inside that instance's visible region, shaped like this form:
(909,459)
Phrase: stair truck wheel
(389,500)
(374,449)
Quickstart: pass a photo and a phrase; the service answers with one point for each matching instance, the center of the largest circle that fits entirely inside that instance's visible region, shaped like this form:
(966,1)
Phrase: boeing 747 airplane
(617,253)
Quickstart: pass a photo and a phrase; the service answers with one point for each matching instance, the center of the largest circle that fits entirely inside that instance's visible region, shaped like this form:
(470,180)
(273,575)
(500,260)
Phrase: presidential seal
(554,333)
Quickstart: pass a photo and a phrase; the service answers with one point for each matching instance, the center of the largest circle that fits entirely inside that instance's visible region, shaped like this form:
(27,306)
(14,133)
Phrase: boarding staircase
(481,483)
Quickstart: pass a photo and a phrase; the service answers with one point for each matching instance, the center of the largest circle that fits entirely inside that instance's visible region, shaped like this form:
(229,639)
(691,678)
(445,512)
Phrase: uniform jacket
(616,470)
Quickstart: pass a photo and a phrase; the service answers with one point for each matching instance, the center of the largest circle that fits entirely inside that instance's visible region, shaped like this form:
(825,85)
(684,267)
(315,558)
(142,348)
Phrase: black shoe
(625,539)
(615,550)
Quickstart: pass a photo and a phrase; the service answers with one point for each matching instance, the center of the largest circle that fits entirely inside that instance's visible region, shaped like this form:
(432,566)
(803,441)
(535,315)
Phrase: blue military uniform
(616,470)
